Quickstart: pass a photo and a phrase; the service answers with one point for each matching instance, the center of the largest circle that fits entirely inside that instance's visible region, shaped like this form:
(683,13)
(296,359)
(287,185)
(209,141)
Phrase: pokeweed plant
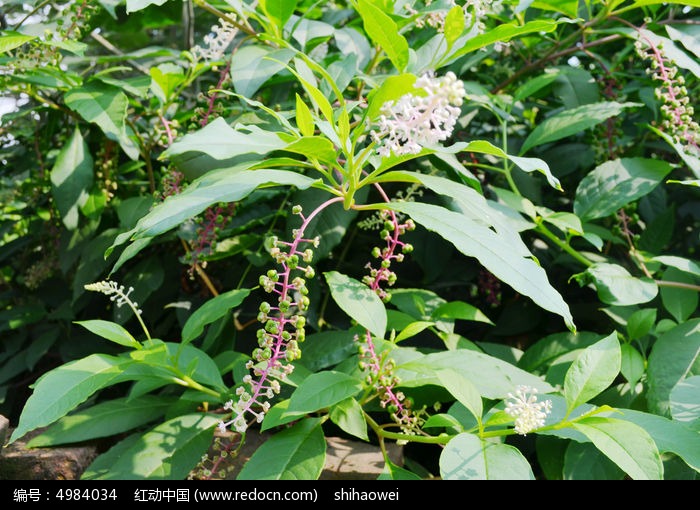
(376,118)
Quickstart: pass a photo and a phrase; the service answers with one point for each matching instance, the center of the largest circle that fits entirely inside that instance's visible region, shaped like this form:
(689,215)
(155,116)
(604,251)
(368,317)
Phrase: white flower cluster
(528,413)
(216,42)
(116,292)
(414,121)
(474,12)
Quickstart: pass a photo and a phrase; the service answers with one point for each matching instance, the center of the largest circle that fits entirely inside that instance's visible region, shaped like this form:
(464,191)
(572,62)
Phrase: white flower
(528,413)
(216,42)
(412,122)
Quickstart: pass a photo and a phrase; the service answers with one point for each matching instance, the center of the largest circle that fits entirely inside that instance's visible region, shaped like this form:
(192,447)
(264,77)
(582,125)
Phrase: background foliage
(161,144)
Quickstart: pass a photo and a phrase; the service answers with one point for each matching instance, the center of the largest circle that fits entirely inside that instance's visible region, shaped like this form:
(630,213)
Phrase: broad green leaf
(684,400)
(576,87)
(71,179)
(454,25)
(336,386)
(347,414)
(466,457)
(593,371)
(551,452)
(279,415)
(631,364)
(165,80)
(105,106)
(137,5)
(279,10)
(393,472)
(327,348)
(111,331)
(305,121)
(583,461)
(670,361)
(391,89)
(669,435)
(616,286)
(570,122)
(211,311)
(220,141)
(690,159)
(681,303)
(626,444)
(460,310)
(358,301)
(685,265)
(493,378)
(384,33)
(547,349)
(101,420)
(11,40)
(615,184)
(536,84)
(296,453)
(493,251)
(412,330)
(443,420)
(463,390)
(640,323)
(62,389)
(252,66)
(567,7)
(317,147)
(166,452)
(226,185)
(504,33)
(688,36)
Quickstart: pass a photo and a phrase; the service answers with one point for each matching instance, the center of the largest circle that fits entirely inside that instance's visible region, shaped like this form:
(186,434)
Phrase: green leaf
(166,452)
(494,251)
(102,420)
(384,33)
(393,472)
(220,141)
(583,461)
(11,40)
(225,185)
(615,184)
(593,371)
(640,323)
(570,122)
(616,286)
(296,453)
(357,300)
(626,444)
(347,414)
(391,89)
(71,179)
(547,349)
(317,147)
(165,80)
(62,389)
(111,331)
(412,330)
(137,5)
(105,106)
(684,401)
(679,302)
(536,84)
(211,311)
(327,348)
(463,390)
(631,364)
(669,436)
(688,36)
(337,386)
(454,25)
(493,378)
(253,65)
(460,310)
(305,121)
(279,10)
(670,361)
(466,457)
(685,265)
(504,33)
